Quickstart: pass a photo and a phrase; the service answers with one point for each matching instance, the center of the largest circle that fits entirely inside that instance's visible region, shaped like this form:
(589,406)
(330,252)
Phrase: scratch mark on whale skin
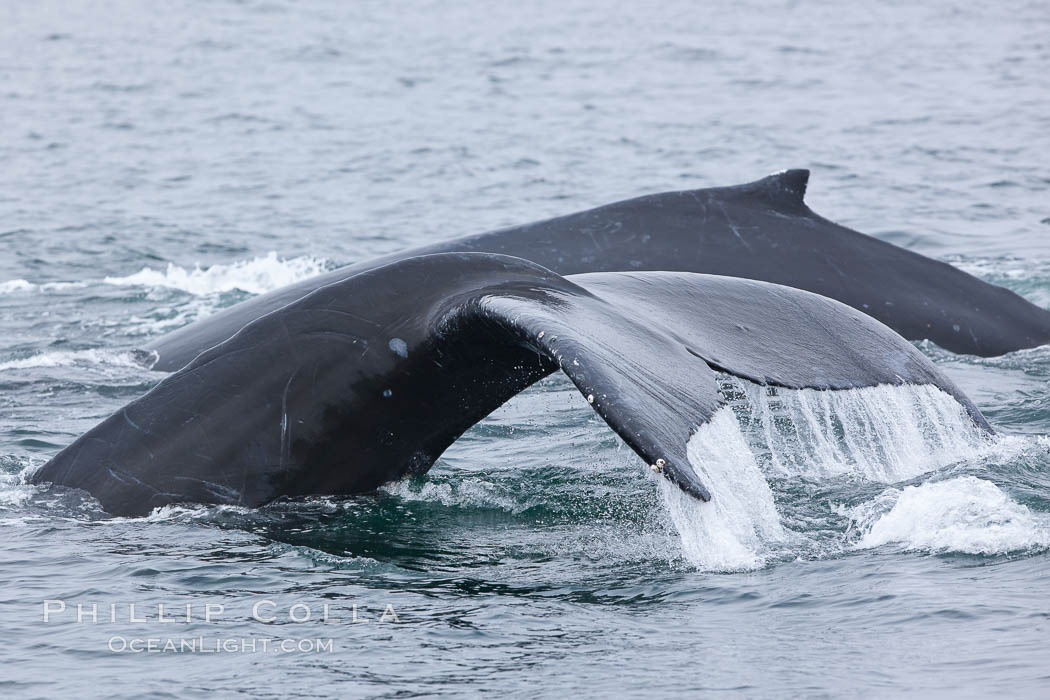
(285,438)
(733,228)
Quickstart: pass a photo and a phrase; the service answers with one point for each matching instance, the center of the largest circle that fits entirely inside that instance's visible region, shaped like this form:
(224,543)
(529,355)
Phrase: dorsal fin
(785,189)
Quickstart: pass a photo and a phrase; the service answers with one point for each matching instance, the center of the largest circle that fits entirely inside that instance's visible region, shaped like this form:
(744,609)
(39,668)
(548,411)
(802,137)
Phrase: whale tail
(371,378)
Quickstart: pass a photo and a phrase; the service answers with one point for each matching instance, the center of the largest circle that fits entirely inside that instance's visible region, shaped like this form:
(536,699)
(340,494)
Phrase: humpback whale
(371,376)
(761,230)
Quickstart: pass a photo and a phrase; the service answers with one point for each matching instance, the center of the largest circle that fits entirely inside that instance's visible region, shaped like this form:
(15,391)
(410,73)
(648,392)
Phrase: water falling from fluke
(883,434)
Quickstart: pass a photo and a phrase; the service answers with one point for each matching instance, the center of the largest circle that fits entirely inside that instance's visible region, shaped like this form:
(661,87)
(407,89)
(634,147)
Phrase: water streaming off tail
(882,434)
(733,529)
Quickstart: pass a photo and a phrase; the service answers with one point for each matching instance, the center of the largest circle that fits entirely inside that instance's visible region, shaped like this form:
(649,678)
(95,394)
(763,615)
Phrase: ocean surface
(159,161)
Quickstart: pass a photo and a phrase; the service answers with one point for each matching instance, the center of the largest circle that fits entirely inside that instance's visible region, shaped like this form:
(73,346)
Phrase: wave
(21,285)
(963,515)
(16,286)
(74,358)
(208,288)
(255,276)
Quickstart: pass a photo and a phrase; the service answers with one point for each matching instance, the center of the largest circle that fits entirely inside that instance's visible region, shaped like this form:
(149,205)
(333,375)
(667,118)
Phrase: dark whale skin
(761,230)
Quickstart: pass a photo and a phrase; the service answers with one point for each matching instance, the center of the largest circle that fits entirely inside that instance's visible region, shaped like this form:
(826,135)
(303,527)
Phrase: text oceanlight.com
(213,645)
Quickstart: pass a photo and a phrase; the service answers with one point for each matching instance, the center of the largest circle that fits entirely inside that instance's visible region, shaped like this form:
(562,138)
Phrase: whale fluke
(371,378)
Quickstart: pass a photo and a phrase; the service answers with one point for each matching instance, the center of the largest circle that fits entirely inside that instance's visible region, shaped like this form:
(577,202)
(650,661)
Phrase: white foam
(73,358)
(20,285)
(16,286)
(195,511)
(254,276)
(13,491)
(467,492)
(964,514)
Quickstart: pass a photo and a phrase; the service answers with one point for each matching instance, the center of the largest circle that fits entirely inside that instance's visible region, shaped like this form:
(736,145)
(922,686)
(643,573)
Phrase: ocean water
(159,161)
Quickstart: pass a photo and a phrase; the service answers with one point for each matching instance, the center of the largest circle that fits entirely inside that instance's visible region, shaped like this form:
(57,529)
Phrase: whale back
(761,230)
